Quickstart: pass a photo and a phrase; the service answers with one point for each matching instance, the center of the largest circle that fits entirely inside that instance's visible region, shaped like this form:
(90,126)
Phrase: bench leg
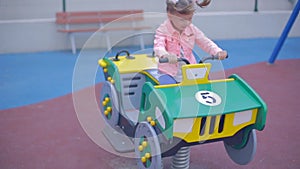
(108,44)
(73,45)
(142,42)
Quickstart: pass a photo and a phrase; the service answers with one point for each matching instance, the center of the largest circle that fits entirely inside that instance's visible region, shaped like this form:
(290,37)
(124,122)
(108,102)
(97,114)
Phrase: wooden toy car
(163,117)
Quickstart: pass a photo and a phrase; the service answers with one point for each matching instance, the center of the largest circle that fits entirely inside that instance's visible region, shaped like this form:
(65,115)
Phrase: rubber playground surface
(39,127)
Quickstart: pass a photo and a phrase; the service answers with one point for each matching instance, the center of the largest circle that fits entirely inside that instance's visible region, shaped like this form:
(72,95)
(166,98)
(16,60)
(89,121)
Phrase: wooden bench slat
(103,29)
(82,20)
(93,13)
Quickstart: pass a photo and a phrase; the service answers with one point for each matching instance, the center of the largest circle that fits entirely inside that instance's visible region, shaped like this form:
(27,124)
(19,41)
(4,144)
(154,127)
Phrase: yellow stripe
(150,76)
(217,123)
(228,129)
(222,80)
(207,125)
(184,84)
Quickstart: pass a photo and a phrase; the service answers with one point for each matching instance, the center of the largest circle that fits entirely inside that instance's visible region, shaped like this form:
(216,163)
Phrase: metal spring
(181,160)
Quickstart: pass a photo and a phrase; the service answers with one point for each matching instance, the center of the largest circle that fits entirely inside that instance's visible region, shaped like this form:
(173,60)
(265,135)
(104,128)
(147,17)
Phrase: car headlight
(183,125)
(242,117)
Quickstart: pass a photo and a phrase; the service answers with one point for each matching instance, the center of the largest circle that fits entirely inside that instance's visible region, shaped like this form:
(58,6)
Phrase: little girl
(177,36)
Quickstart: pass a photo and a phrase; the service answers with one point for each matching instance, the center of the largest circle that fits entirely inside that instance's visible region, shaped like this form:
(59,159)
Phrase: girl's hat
(201,4)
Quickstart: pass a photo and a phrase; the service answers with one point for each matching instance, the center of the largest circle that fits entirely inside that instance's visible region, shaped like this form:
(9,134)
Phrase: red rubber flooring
(49,135)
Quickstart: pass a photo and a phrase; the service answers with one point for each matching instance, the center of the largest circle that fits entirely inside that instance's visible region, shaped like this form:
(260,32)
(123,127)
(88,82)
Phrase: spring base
(181,160)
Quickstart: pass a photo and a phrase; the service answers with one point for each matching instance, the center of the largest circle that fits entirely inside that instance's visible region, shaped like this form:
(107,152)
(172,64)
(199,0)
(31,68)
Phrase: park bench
(92,21)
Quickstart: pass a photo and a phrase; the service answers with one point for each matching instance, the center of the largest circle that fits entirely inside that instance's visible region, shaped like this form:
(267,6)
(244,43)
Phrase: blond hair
(185,6)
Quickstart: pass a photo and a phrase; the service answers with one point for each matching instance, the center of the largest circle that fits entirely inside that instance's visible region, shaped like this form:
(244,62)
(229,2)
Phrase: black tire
(244,155)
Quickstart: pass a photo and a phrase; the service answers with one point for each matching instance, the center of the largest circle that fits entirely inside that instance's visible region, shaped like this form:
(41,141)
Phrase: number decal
(208,98)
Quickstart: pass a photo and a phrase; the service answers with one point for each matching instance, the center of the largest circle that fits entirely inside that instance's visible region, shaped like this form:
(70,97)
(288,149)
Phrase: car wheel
(242,155)
(109,104)
(147,147)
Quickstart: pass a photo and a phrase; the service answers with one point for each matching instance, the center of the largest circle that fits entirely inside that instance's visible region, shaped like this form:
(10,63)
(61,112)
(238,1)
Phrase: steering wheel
(212,57)
(181,59)
(166,60)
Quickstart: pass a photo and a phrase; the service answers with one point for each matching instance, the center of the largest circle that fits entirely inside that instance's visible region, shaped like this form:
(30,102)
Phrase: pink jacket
(168,40)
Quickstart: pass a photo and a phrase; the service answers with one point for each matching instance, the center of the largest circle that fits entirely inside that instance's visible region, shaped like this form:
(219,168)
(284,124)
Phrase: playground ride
(162,117)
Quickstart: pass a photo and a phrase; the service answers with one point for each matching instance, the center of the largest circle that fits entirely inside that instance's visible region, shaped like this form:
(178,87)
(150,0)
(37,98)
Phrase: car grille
(211,124)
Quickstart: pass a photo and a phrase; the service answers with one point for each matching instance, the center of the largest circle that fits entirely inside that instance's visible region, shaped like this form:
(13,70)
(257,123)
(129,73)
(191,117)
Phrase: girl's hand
(172,58)
(222,55)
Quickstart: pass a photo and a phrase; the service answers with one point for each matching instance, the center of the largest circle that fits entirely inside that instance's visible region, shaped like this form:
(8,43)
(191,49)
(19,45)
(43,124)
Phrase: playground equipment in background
(162,117)
(285,33)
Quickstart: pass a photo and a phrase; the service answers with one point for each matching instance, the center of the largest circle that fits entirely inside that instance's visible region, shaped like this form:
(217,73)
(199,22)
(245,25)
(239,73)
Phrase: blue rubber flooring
(28,78)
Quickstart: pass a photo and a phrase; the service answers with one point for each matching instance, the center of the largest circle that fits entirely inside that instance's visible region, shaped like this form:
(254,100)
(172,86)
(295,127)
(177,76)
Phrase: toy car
(164,117)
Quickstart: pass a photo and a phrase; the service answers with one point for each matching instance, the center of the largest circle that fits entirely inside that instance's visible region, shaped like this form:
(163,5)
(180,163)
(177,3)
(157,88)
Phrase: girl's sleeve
(205,43)
(160,43)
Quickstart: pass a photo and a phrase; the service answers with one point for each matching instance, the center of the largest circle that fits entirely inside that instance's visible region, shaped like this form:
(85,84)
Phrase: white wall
(29,25)
(248,5)
(28,9)
(36,9)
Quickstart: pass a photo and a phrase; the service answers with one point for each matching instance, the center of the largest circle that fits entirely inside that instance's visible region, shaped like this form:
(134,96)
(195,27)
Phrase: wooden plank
(88,13)
(103,29)
(101,19)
